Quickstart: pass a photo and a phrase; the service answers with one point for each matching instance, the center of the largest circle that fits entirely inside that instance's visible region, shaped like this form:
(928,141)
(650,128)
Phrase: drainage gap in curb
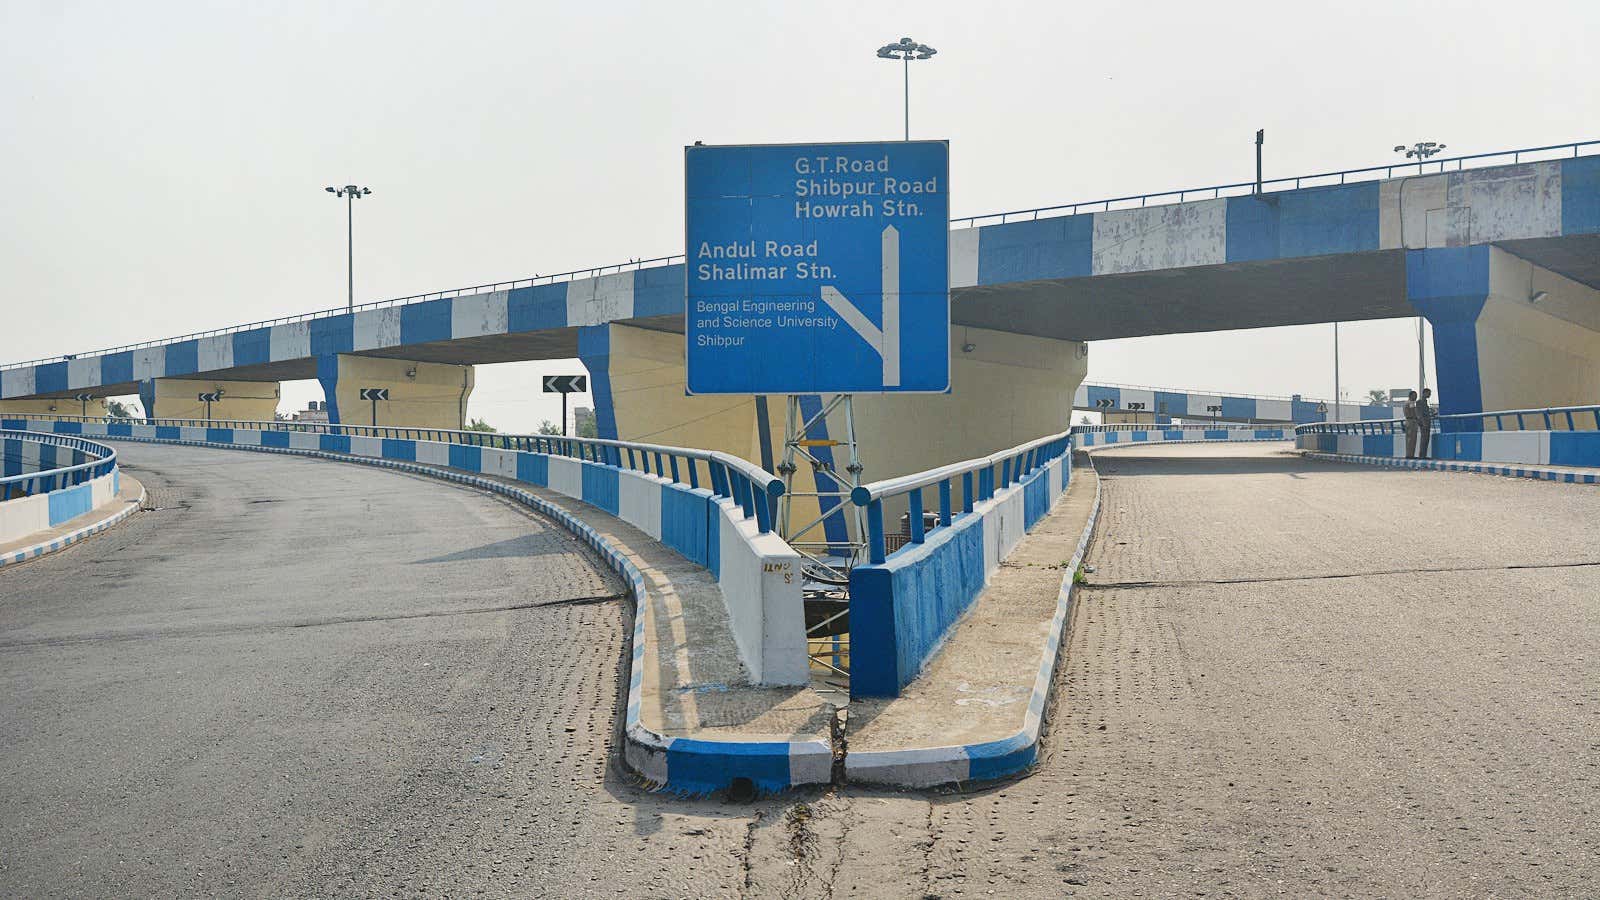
(837,728)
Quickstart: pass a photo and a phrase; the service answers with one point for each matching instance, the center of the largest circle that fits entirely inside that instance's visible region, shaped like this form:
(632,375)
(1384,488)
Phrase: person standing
(1424,423)
(1411,425)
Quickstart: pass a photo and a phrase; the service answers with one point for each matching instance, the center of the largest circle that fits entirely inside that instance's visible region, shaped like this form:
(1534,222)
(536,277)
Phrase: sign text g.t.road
(818,268)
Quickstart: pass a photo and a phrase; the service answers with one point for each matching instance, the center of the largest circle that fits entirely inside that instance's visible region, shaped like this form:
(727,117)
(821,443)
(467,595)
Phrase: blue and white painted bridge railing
(49,479)
(904,604)
(1086,436)
(712,508)
(1556,436)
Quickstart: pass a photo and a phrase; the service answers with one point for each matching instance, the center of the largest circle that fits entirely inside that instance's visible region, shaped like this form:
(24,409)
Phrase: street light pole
(906,50)
(351,194)
(1420,151)
(1336,394)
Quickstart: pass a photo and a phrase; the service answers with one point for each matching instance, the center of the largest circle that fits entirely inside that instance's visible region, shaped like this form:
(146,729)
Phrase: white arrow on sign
(885,340)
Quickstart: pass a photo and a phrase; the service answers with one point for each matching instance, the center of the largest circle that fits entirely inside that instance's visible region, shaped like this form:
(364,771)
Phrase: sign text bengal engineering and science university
(818,268)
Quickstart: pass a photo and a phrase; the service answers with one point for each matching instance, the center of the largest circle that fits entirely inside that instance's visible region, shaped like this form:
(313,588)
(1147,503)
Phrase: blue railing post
(763,511)
(674,461)
(875,532)
(918,533)
(944,503)
(966,492)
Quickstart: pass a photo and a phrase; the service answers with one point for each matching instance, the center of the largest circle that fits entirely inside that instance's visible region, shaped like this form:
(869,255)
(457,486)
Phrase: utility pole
(1261,138)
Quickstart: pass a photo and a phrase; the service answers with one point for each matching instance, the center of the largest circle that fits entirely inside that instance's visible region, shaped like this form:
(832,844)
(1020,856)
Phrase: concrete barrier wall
(1551,448)
(902,610)
(759,574)
(22,516)
(1157,435)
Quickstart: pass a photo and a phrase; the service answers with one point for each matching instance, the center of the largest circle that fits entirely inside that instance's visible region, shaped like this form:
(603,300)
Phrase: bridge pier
(1507,334)
(1007,389)
(421,394)
(179,398)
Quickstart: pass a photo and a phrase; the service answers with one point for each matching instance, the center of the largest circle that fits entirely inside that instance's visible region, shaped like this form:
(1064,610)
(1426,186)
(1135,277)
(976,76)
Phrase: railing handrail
(1288,182)
(639,264)
(1237,394)
(1169,426)
(771,484)
(107,456)
(889,487)
(1336,427)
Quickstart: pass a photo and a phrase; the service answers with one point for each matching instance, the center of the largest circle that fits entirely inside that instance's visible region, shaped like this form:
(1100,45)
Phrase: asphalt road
(303,678)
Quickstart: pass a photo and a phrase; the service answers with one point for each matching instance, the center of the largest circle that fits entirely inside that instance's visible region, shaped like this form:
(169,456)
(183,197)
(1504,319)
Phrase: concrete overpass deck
(1284,676)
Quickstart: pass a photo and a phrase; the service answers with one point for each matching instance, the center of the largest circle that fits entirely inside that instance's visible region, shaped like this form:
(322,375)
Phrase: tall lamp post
(1420,151)
(905,51)
(351,194)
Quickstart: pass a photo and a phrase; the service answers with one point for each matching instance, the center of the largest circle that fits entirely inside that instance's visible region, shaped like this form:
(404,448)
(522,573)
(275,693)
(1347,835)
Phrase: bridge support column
(179,398)
(421,394)
(1507,334)
(1006,390)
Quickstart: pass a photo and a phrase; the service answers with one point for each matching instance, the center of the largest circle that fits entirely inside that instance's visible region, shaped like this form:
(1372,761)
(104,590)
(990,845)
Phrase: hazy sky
(162,164)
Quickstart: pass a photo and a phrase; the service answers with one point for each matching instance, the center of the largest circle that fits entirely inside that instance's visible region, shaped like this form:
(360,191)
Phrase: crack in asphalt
(202,631)
(1103,585)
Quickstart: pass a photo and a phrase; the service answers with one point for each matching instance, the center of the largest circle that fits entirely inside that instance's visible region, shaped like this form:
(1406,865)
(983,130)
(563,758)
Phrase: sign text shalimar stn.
(818,268)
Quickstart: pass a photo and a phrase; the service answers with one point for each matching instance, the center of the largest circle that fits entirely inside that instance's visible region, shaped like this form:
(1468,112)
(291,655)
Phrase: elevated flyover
(1500,251)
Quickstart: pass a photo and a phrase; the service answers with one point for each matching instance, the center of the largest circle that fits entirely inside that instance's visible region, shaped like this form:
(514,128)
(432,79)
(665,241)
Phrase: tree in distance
(1377,397)
(479,425)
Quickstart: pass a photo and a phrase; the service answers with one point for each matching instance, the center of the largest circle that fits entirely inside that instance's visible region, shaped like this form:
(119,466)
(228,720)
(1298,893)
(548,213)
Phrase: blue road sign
(818,268)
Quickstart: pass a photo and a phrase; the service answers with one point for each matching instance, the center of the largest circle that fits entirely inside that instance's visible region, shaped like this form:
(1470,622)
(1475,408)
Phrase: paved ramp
(1286,677)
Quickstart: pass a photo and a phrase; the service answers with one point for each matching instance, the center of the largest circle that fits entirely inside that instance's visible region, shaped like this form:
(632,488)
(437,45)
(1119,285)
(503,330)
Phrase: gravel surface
(1285,678)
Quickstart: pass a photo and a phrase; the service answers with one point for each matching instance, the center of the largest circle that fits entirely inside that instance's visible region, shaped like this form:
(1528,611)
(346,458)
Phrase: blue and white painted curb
(688,766)
(989,760)
(66,540)
(1447,465)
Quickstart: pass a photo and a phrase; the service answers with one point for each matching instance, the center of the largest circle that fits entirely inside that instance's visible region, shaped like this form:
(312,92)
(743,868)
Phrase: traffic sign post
(374,394)
(818,268)
(84,399)
(208,399)
(564,385)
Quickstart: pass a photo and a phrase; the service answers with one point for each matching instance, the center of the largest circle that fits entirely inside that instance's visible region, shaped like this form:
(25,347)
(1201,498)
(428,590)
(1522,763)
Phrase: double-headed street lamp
(351,194)
(905,51)
(1420,151)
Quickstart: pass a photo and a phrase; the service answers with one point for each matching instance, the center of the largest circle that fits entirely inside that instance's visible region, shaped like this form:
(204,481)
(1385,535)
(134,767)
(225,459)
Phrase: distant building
(583,422)
(315,411)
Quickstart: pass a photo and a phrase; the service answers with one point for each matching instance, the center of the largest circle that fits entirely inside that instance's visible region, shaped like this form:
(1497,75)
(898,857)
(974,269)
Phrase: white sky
(162,164)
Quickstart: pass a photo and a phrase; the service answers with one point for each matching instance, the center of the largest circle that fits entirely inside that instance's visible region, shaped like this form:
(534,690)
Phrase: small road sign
(818,268)
(1105,403)
(566,384)
(211,397)
(375,394)
(83,398)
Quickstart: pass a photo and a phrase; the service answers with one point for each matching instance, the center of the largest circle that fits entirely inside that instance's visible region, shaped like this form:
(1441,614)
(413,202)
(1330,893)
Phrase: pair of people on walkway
(1419,424)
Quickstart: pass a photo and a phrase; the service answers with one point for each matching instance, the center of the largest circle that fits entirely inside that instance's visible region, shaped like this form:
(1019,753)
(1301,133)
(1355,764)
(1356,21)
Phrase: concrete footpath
(976,711)
(130,496)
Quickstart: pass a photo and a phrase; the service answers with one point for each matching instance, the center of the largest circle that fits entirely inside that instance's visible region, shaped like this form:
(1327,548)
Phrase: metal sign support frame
(797,446)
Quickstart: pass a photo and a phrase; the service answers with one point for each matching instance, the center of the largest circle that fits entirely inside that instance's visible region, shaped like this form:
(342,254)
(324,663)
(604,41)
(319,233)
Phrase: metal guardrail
(1187,426)
(980,479)
(1575,418)
(1577,148)
(1234,394)
(46,480)
(753,488)
(1289,183)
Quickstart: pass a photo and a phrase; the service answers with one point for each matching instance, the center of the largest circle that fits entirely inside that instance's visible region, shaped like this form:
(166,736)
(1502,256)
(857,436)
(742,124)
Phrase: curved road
(311,678)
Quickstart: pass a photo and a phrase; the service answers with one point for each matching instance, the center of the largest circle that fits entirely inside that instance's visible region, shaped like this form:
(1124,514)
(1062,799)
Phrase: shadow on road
(1173,461)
